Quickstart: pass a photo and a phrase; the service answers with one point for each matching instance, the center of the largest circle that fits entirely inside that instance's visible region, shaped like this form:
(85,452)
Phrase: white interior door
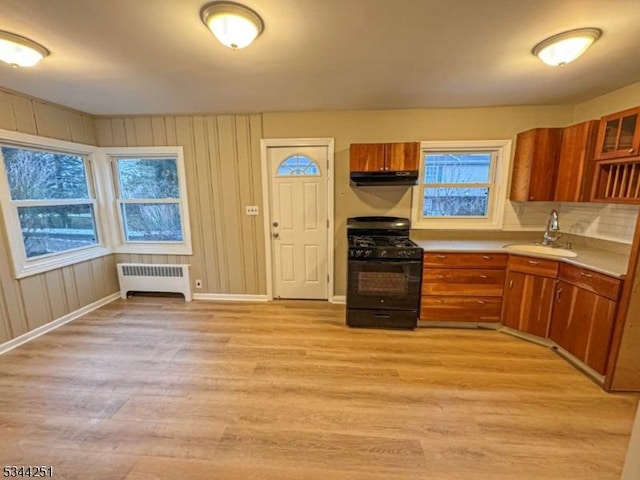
(299,221)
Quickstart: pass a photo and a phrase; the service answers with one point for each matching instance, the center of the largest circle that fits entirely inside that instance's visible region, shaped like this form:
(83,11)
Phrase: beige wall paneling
(98,274)
(36,301)
(7,117)
(185,138)
(16,317)
(54,284)
(246,196)
(207,264)
(84,282)
(144,134)
(159,131)
(51,122)
(71,289)
(24,114)
(255,128)
(231,203)
(5,328)
(217,261)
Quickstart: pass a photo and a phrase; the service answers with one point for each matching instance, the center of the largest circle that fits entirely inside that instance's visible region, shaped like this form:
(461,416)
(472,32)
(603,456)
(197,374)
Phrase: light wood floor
(154,388)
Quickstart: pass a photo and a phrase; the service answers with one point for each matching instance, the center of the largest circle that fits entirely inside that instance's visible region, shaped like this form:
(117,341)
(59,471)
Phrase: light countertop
(599,260)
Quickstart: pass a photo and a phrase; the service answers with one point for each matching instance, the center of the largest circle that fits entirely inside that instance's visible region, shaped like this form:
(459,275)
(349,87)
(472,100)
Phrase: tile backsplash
(615,222)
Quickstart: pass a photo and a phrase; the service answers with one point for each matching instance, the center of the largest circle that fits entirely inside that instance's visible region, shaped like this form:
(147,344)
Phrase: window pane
(56,229)
(152,222)
(297,165)
(455,202)
(457,167)
(36,175)
(148,178)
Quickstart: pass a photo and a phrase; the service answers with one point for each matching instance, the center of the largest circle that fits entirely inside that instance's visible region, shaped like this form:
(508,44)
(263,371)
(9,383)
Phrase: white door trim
(267,143)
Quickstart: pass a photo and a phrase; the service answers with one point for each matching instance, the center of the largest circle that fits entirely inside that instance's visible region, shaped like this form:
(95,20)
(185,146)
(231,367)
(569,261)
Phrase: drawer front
(533,266)
(463,281)
(465,260)
(460,309)
(595,282)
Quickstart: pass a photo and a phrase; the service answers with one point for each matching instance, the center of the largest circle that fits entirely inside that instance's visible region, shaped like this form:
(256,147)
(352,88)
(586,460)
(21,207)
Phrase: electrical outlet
(198,283)
(252,210)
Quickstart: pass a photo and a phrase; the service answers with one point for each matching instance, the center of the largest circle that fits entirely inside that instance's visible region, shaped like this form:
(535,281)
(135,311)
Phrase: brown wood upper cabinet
(535,165)
(379,157)
(576,162)
(619,135)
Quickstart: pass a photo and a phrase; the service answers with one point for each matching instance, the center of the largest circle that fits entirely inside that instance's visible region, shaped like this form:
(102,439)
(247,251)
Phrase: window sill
(155,249)
(56,262)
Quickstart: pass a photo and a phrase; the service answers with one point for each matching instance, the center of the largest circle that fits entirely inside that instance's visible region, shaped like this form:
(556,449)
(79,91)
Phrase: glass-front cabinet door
(619,135)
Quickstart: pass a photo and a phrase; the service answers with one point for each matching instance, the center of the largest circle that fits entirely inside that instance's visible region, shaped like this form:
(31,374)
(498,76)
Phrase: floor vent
(141,277)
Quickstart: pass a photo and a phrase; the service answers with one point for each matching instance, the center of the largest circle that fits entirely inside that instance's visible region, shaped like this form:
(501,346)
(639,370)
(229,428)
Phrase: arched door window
(298,165)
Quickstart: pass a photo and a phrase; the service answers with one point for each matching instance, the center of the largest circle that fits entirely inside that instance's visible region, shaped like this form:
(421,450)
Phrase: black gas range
(384,271)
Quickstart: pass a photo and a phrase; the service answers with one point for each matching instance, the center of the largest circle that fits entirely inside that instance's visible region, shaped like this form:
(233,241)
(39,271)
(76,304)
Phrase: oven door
(384,284)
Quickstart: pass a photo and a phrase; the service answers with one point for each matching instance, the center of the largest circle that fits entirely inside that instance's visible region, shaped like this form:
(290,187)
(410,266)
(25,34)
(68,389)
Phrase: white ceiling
(157,57)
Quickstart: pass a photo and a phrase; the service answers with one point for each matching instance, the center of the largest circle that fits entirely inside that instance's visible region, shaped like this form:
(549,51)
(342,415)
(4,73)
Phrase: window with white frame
(49,205)
(64,202)
(151,200)
(462,185)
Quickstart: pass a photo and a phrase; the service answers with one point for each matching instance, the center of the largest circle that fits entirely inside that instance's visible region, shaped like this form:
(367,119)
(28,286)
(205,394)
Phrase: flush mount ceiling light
(234,25)
(566,47)
(20,51)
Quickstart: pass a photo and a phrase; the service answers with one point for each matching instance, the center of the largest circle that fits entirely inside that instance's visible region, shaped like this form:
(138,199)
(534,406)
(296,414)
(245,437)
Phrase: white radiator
(141,277)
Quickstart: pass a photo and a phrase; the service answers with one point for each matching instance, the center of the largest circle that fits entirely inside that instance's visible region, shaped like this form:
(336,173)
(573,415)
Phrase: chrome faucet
(552,226)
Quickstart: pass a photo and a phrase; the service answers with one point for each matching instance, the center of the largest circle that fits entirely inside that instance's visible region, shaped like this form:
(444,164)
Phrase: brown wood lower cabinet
(582,320)
(528,295)
(462,287)
(527,303)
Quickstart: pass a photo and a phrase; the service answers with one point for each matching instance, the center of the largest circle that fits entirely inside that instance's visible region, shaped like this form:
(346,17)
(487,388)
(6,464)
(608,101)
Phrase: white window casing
(102,196)
(497,185)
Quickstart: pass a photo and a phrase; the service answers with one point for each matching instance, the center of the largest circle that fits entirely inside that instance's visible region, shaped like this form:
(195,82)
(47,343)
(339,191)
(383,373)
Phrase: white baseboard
(26,337)
(338,299)
(230,297)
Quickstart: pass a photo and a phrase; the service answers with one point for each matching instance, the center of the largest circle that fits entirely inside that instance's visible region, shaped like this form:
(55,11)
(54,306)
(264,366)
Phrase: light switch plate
(252,210)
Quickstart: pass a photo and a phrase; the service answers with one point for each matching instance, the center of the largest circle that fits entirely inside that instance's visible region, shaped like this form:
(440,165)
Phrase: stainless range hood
(369,179)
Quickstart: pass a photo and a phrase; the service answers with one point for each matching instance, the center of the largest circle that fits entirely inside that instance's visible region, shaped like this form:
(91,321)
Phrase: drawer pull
(481,302)
(487,257)
(588,275)
(439,277)
(534,262)
(441,256)
(484,277)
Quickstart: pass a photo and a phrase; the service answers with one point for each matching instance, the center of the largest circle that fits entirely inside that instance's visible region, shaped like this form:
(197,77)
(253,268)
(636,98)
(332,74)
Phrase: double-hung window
(151,203)
(462,185)
(50,207)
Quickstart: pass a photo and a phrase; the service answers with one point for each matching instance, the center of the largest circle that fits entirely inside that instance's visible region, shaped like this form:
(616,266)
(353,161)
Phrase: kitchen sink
(542,249)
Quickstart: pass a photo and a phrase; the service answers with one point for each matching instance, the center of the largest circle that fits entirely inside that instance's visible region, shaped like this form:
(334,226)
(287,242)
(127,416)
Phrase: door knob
(275,224)
(276,235)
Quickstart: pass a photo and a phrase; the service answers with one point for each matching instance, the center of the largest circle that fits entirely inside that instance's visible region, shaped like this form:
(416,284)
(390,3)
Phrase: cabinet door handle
(439,277)
(511,283)
(441,256)
(484,277)
(588,275)
(533,262)
(558,294)
(631,150)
